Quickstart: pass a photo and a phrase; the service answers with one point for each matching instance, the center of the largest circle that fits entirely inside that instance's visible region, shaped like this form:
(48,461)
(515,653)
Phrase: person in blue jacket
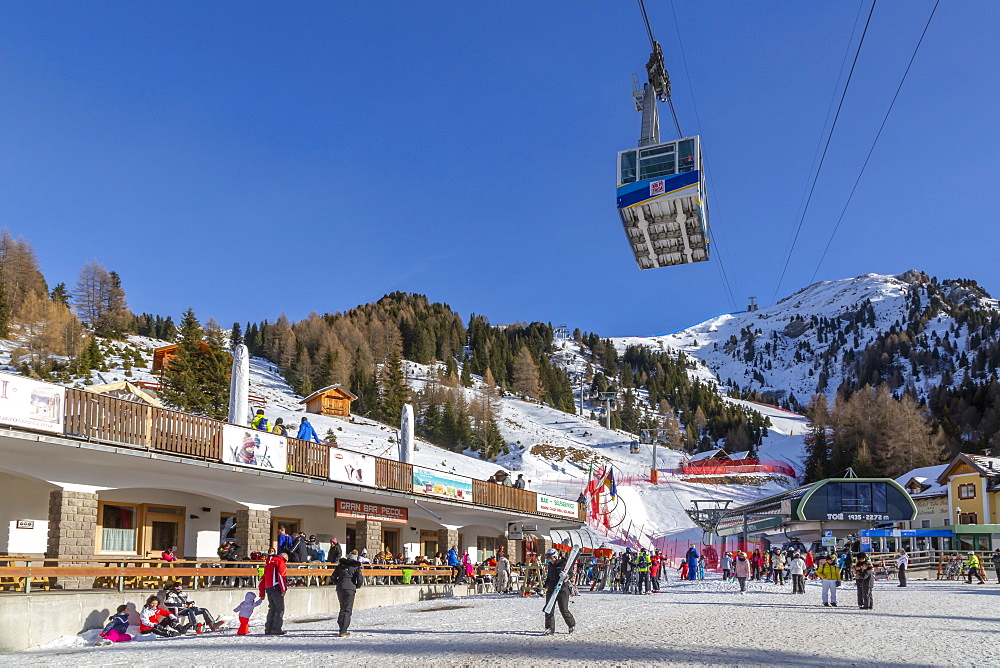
(453,562)
(692,563)
(284,540)
(306,431)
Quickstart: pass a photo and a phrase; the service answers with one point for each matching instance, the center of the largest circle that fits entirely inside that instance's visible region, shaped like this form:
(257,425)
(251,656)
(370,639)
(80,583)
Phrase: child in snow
(117,628)
(154,619)
(245,609)
(180,605)
(701,567)
(684,570)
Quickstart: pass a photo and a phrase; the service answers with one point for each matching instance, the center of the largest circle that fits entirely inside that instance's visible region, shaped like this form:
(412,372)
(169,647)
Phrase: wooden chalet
(162,356)
(331,400)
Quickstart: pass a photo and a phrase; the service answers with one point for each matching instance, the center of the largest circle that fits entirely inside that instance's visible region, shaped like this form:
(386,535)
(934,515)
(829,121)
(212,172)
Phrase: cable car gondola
(662,200)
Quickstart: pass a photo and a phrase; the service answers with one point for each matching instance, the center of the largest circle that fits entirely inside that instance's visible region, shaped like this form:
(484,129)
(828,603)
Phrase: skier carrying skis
(555,566)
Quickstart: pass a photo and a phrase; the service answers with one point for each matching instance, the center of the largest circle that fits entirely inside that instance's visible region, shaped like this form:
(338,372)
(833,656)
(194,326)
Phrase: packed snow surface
(689,623)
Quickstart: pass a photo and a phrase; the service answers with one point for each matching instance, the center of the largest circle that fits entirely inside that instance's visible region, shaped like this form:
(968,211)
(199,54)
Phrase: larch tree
(668,421)
(19,277)
(99,300)
(526,379)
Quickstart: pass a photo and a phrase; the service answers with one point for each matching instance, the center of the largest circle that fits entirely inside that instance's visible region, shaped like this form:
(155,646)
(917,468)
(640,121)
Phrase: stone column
(253,531)
(368,535)
(448,538)
(542,544)
(72,531)
(511,548)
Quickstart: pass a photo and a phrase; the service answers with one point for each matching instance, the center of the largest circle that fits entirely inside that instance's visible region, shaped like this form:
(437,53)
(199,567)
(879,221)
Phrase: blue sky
(252,158)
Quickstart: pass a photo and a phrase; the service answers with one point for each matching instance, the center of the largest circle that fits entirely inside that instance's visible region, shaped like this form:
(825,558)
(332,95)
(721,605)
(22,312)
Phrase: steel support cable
(833,101)
(649,30)
(826,148)
(708,175)
(877,135)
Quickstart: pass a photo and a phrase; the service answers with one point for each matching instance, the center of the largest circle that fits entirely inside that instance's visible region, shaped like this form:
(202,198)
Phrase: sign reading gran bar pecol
(359,510)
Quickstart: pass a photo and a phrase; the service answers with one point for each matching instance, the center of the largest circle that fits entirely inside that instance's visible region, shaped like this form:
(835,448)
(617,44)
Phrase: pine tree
(181,383)
(466,378)
(169,330)
(393,391)
(236,336)
(216,368)
(60,294)
(817,440)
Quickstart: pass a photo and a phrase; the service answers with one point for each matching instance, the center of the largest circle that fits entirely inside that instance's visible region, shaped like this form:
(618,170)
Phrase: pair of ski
(550,604)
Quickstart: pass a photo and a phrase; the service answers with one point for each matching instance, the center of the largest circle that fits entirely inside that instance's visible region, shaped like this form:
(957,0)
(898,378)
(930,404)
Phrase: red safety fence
(730,466)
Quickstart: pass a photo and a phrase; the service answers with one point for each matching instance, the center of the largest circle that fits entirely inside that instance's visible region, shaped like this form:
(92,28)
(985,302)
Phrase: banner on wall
(28,403)
(248,447)
(352,467)
(551,505)
(438,483)
(359,510)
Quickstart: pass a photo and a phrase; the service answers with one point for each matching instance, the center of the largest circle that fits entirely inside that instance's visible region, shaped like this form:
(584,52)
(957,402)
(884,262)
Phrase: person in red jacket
(654,570)
(273,586)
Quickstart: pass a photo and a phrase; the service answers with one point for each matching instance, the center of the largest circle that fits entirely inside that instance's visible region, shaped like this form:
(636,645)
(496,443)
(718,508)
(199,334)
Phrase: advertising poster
(554,506)
(443,484)
(352,467)
(243,446)
(28,403)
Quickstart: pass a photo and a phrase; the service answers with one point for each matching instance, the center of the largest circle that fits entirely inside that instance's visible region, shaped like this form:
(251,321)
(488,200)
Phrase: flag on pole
(609,482)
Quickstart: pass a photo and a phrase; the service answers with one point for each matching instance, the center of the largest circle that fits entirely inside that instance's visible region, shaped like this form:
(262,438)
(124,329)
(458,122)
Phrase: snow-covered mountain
(814,340)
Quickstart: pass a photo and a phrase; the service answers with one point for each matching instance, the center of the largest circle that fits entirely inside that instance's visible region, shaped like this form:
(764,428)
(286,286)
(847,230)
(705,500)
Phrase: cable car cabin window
(660,165)
(628,167)
(685,156)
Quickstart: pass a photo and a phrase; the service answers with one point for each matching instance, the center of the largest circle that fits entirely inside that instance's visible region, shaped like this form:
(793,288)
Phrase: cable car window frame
(657,166)
(622,178)
(695,151)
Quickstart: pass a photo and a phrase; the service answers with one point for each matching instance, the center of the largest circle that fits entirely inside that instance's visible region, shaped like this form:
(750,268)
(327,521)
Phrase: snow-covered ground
(689,623)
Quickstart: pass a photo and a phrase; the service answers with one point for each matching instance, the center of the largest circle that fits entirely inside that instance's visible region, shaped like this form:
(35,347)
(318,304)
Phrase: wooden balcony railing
(98,417)
(101,418)
(390,474)
(499,496)
(308,458)
(188,435)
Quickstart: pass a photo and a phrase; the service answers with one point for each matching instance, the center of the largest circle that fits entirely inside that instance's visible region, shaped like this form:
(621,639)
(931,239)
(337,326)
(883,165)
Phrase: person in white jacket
(902,563)
(797,569)
(741,569)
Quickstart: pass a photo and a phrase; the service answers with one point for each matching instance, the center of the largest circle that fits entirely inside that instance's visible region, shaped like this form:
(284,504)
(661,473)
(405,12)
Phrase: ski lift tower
(608,398)
(706,514)
(654,437)
(561,333)
(753,305)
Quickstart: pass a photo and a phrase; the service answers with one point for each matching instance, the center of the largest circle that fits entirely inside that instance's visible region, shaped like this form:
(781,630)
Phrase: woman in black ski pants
(864,574)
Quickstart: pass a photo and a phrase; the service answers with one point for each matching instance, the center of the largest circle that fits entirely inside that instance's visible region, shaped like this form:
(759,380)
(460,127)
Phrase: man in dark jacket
(347,577)
(996,563)
(300,550)
(555,565)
